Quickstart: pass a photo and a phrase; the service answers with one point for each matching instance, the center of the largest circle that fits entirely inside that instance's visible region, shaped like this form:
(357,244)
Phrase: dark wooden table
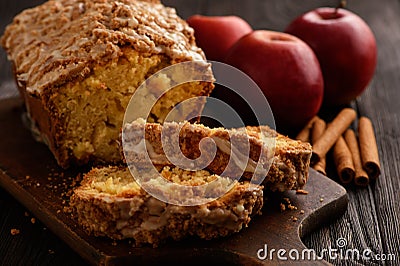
(372,220)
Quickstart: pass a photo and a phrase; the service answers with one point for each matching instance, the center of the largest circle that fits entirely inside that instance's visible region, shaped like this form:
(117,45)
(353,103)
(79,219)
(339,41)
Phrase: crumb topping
(59,41)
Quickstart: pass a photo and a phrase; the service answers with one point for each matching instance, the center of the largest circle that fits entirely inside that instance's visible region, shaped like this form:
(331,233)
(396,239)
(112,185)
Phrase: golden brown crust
(61,41)
(147,220)
(288,166)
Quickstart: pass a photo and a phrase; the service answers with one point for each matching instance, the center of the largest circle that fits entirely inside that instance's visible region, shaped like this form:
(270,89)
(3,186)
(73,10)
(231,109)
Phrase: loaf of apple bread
(77,64)
(257,153)
(110,203)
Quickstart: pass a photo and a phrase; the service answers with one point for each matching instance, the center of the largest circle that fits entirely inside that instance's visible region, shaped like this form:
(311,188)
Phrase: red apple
(216,34)
(286,70)
(345,47)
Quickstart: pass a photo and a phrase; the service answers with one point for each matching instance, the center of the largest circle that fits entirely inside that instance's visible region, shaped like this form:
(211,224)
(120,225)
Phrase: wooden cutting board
(29,172)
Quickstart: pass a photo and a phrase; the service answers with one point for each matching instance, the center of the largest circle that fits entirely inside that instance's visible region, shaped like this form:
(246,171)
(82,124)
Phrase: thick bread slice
(110,203)
(285,162)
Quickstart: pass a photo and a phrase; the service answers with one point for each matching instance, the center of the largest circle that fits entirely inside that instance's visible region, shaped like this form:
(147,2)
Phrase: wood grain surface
(372,220)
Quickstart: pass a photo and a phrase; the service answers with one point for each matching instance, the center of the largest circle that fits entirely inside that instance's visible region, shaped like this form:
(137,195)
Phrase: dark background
(373,215)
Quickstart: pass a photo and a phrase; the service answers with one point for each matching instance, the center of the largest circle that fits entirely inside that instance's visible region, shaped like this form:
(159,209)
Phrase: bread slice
(77,64)
(110,203)
(257,153)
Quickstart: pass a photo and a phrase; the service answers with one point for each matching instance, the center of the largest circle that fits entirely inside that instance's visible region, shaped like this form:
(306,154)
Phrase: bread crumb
(27,177)
(301,211)
(33,220)
(287,200)
(321,199)
(14,231)
(294,219)
(287,205)
(301,192)
(67,209)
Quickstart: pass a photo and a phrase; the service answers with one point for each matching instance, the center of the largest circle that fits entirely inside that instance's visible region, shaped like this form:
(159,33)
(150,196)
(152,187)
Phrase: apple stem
(342,4)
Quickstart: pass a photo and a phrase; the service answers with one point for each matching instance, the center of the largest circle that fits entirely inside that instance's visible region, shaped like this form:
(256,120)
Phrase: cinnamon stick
(304,134)
(361,178)
(317,130)
(368,148)
(343,161)
(334,130)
